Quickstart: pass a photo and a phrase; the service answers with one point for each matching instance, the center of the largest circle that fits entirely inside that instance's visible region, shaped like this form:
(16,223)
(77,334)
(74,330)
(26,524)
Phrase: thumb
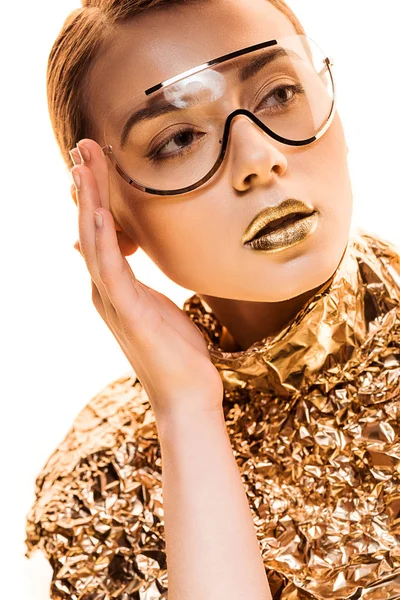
(77,246)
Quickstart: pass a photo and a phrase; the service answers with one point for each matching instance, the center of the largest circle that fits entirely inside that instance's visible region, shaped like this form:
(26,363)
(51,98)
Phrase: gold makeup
(282,226)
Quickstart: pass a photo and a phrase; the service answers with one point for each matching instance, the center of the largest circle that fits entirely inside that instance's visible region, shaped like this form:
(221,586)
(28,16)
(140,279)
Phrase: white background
(56,351)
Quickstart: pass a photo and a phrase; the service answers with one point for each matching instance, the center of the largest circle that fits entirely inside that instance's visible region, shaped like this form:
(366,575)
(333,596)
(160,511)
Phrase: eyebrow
(161,107)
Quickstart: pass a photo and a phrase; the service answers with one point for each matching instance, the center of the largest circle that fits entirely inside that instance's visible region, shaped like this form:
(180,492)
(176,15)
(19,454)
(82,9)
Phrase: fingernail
(76,178)
(75,157)
(84,152)
(98,219)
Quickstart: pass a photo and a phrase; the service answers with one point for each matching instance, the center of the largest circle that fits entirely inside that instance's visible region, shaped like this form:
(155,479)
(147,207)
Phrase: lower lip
(286,236)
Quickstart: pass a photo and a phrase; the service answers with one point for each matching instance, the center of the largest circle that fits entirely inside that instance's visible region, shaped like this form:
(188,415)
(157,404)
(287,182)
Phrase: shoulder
(379,259)
(376,242)
(98,504)
(119,412)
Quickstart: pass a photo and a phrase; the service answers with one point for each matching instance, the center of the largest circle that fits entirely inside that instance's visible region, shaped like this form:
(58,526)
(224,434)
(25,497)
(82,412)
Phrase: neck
(245,323)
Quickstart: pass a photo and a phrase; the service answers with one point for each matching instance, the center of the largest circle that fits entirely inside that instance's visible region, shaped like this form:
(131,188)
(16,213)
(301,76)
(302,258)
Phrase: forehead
(163,42)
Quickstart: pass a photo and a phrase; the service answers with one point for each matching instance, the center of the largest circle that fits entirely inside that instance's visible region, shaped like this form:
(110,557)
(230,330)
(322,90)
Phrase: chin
(313,271)
(299,270)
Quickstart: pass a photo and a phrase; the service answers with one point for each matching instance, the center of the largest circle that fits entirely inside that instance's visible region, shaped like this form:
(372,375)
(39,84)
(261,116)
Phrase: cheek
(331,191)
(178,235)
(329,177)
(183,242)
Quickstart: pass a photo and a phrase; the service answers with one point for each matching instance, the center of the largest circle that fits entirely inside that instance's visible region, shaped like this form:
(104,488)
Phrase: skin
(212,549)
(195,239)
(211,545)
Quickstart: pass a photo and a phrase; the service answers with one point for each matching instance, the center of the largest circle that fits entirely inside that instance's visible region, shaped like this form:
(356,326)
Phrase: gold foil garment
(313,415)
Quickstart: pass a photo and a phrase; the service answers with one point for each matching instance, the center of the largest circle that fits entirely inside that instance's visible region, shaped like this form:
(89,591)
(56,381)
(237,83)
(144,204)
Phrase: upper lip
(288,207)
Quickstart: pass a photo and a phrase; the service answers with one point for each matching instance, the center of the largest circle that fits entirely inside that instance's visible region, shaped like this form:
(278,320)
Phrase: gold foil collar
(313,415)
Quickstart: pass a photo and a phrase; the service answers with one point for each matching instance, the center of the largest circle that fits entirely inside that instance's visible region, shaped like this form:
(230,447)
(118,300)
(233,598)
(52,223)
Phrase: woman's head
(109,52)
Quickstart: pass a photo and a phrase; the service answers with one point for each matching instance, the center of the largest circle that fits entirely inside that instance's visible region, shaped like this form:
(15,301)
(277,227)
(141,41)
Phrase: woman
(208,136)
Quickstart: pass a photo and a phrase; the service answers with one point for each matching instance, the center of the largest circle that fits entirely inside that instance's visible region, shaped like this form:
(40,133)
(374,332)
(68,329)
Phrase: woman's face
(196,238)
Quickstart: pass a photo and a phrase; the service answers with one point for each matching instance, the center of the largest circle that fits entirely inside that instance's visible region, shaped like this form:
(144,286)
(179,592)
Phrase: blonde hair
(78,44)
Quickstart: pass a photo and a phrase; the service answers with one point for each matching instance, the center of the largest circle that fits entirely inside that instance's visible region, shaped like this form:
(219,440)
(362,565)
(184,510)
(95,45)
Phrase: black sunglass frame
(108,151)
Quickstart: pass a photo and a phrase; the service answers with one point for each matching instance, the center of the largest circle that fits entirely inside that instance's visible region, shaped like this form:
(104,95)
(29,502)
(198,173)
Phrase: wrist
(175,423)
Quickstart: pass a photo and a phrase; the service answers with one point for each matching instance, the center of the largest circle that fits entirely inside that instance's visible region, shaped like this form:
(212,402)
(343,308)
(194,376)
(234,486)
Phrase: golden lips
(287,208)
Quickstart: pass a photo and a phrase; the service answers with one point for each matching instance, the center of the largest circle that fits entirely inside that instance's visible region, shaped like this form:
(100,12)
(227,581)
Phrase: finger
(104,308)
(98,165)
(99,299)
(72,190)
(73,194)
(114,270)
(98,302)
(107,267)
(87,193)
(111,263)
(92,156)
(110,271)
(75,156)
(88,202)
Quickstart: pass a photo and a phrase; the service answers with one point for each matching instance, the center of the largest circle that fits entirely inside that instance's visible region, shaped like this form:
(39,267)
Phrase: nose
(255,158)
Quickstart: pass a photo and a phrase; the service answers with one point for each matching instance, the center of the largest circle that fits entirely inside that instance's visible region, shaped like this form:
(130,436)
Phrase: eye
(178,143)
(286,94)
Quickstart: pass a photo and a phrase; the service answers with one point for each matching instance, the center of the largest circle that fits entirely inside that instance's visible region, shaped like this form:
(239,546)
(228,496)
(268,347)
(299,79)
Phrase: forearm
(212,548)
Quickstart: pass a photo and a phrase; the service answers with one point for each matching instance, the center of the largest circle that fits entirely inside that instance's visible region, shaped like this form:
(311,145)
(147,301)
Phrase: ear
(126,244)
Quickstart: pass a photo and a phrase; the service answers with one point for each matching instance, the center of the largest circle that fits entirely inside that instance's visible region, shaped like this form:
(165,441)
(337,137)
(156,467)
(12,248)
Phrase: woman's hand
(165,349)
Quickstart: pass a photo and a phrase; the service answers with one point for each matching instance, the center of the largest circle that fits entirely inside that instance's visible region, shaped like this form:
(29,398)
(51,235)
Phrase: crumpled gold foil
(313,415)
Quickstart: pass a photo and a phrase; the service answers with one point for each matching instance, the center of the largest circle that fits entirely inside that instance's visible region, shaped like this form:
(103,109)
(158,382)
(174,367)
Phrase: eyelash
(156,155)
